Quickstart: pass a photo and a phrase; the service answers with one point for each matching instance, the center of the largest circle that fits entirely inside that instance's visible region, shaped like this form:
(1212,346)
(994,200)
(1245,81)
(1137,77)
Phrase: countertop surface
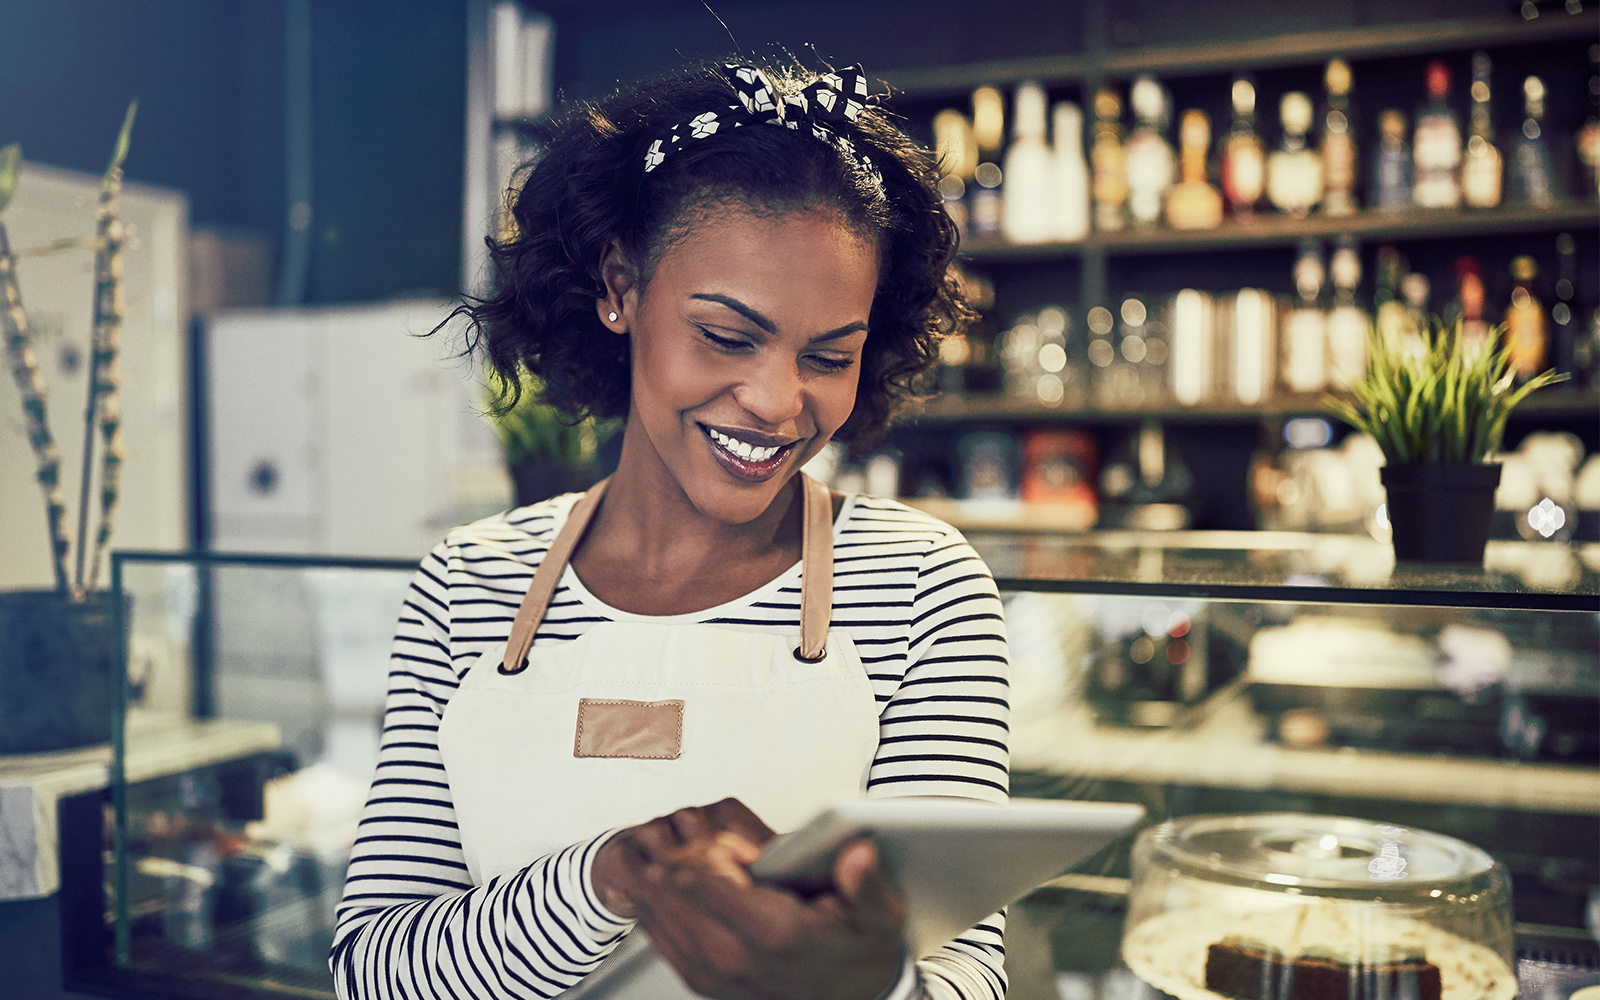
(1288,566)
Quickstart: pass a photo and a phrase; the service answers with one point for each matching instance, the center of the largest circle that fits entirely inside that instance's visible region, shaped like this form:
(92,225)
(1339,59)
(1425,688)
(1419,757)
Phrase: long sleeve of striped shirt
(923,612)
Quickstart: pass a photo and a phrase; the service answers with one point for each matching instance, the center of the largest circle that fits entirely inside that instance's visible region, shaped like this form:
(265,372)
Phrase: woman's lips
(749,469)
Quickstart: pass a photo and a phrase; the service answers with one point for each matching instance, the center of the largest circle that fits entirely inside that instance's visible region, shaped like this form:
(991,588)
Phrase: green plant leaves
(535,430)
(10,171)
(1436,398)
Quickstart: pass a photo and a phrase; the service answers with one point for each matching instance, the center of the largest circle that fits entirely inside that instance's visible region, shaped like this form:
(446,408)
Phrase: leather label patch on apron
(644,730)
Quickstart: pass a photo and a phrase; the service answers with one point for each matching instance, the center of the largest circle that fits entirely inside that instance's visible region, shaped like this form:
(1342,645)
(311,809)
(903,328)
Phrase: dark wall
(388,99)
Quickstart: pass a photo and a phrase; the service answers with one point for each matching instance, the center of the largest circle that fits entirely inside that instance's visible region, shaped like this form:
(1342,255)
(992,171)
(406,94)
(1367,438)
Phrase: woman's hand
(686,878)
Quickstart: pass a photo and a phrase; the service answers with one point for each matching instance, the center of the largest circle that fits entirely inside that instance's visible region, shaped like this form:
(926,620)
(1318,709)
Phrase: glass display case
(1193,673)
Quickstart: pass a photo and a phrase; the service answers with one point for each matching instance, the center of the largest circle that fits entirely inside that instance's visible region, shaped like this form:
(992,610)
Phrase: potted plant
(55,645)
(1437,405)
(547,452)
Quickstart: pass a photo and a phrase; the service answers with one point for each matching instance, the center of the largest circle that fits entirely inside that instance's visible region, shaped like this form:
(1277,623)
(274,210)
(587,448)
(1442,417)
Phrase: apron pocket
(644,730)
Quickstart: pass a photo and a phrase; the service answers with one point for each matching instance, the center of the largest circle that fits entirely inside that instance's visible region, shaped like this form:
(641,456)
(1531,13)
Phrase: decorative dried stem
(103,409)
(25,369)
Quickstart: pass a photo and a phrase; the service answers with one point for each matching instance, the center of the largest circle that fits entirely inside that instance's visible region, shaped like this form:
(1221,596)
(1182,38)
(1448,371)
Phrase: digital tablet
(955,860)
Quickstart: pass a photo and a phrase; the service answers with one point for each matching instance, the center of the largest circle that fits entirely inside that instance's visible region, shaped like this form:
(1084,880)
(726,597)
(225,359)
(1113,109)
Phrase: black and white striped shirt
(924,615)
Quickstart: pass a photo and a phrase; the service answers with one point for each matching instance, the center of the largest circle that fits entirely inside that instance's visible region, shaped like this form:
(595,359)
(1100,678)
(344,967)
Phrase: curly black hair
(589,189)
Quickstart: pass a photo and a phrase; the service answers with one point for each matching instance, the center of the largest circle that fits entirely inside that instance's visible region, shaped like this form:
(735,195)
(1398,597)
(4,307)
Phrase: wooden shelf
(1280,230)
(955,409)
(1226,55)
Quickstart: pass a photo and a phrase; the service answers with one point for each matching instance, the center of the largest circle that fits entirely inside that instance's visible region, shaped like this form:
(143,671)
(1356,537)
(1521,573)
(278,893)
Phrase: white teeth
(743,449)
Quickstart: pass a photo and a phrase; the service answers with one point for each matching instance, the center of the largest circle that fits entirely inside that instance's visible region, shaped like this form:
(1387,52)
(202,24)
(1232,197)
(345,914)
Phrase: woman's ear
(620,303)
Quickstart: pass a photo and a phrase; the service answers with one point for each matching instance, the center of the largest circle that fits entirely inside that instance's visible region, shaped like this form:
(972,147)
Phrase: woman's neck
(649,550)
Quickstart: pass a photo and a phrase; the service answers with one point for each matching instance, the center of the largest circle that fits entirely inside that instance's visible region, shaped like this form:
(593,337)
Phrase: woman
(601,706)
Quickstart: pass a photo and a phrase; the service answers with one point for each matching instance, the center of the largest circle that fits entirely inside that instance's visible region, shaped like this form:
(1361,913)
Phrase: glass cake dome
(1286,906)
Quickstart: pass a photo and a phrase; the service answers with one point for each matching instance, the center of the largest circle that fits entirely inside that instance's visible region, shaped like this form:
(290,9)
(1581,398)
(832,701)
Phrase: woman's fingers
(865,887)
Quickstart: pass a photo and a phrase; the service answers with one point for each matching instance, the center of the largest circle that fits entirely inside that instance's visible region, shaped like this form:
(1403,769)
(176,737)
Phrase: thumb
(862,881)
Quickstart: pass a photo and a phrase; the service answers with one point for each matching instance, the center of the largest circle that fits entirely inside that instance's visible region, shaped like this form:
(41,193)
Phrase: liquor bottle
(1467,309)
(958,158)
(1526,332)
(1026,214)
(1532,180)
(1588,137)
(1349,329)
(1070,173)
(1193,347)
(1109,160)
(1251,317)
(1414,290)
(1305,331)
(1338,145)
(1244,161)
(1294,171)
(988,128)
(1391,319)
(1391,170)
(1193,202)
(1563,317)
(1437,145)
(1151,163)
(1481,169)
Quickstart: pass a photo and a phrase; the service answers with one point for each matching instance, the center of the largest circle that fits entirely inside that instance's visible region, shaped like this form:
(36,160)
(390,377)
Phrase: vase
(1440,513)
(55,671)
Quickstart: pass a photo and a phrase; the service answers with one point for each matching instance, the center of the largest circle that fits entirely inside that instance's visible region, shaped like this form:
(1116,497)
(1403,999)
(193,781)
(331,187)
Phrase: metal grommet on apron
(549,745)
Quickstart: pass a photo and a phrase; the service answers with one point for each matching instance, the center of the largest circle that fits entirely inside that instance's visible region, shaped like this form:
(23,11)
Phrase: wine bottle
(1527,333)
(1467,309)
(1151,163)
(1390,317)
(1532,178)
(1437,145)
(1244,161)
(1305,331)
(1193,202)
(1563,317)
(986,201)
(1294,171)
(1193,347)
(1026,213)
(1348,326)
(1391,167)
(958,158)
(1481,168)
(1109,161)
(1070,173)
(1338,144)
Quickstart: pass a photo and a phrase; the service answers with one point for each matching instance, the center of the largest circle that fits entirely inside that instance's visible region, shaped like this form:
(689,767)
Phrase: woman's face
(747,345)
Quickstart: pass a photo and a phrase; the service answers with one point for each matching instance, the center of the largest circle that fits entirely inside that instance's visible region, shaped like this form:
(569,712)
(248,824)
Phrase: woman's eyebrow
(768,325)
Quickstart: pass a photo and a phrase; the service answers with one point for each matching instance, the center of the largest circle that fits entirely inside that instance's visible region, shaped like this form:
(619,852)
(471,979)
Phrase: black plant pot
(1440,513)
(55,671)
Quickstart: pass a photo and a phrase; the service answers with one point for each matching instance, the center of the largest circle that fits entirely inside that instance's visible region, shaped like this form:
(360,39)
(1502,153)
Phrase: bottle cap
(1414,287)
(1345,267)
(958,149)
(988,118)
(1295,110)
(1107,105)
(1438,78)
(1533,94)
(1068,123)
(1149,101)
(1028,118)
(1523,268)
(1392,124)
(1338,77)
(1195,130)
(1244,98)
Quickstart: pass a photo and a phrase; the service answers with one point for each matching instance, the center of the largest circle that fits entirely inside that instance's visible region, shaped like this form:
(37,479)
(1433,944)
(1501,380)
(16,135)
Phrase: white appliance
(341,430)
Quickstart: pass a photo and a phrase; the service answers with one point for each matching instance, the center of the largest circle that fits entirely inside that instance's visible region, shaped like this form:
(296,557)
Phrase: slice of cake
(1250,969)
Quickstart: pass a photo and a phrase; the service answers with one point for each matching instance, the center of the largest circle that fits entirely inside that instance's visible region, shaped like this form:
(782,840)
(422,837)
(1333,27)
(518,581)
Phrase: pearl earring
(612,317)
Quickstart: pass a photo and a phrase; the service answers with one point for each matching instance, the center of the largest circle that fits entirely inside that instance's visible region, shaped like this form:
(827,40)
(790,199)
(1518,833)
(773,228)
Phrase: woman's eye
(831,364)
(726,343)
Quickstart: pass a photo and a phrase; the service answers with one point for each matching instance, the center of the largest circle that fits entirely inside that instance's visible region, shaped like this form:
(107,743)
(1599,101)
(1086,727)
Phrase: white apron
(635,719)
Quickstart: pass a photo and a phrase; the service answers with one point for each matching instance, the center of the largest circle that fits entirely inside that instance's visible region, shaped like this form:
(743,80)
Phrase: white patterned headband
(829,101)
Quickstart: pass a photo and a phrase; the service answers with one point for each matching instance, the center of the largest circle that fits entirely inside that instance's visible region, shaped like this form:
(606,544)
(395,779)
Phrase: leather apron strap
(816,574)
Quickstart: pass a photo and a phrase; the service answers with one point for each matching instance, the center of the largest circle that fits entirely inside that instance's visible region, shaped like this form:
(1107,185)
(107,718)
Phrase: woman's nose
(774,393)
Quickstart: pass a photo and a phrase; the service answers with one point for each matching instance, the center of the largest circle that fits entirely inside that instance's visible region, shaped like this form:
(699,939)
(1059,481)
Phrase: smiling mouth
(745,459)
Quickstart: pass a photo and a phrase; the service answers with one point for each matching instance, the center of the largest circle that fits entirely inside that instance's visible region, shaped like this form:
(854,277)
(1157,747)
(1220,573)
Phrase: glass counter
(1191,673)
